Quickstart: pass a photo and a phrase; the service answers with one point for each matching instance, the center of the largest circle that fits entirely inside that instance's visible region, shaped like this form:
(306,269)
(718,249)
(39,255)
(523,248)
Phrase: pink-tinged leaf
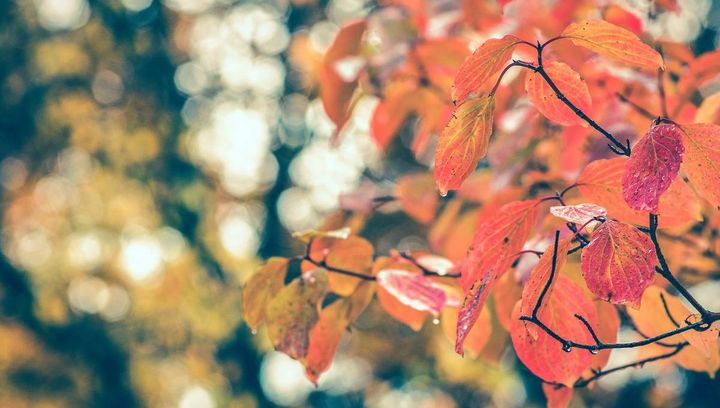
(619,263)
(501,234)
(558,396)
(293,312)
(478,70)
(579,213)
(653,165)
(463,142)
(539,278)
(614,42)
(702,160)
(544,355)
(413,290)
(545,99)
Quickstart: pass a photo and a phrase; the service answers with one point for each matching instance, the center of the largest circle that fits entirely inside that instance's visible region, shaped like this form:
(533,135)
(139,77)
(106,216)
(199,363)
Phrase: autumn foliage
(570,141)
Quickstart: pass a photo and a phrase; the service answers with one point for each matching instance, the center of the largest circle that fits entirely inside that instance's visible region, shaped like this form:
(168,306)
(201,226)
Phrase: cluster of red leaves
(604,260)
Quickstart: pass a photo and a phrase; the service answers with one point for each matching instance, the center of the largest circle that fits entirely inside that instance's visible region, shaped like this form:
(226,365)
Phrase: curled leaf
(579,213)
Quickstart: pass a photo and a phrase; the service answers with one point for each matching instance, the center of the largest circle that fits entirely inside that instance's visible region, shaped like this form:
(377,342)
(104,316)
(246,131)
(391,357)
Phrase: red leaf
(614,42)
(544,355)
(413,290)
(463,142)
(619,263)
(547,102)
(493,251)
(539,278)
(579,213)
(476,72)
(702,161)
(336,93)
(601,183)
(653,165)
(478,337)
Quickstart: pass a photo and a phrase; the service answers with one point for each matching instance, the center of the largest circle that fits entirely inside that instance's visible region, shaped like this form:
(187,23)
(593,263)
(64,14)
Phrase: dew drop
(443,194)
(254,332)
(593,351)
(436,321)
(566,348)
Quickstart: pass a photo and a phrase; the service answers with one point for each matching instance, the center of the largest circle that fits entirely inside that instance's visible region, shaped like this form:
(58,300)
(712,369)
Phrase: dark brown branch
(568,344)
(583,382)
(615,145)
(426,271)
(667,311)
(664,270)
(635,106)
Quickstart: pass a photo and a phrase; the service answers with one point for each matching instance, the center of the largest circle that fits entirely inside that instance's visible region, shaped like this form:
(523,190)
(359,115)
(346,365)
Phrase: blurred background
(152,153)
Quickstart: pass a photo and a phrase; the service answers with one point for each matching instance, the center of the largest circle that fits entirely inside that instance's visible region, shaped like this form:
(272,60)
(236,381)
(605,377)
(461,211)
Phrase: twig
(664,270)
(635,106)
(583,382)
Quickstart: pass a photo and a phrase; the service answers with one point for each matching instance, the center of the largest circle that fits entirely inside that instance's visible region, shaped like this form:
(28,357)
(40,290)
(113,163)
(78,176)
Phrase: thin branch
(661,92)
(427,272)
(667,310)
(615,145)
(583,382)
(664,270)
(550,279)
(635,106)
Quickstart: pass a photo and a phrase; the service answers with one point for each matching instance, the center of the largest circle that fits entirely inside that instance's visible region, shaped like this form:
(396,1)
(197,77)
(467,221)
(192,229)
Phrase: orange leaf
(463,142)
(354,254)
(601,183)
(544,355)
(702,160)
(607,331)
(709,110)
(619,263)
(293,311)
(334,320)
(392,111)
(653,165)
(417,196)
(496,242)
(261,288)
(539,278)
(477,71)
(441,59)
(652,319)
(614,42)
(506,293)
(335,92)
(547,102)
